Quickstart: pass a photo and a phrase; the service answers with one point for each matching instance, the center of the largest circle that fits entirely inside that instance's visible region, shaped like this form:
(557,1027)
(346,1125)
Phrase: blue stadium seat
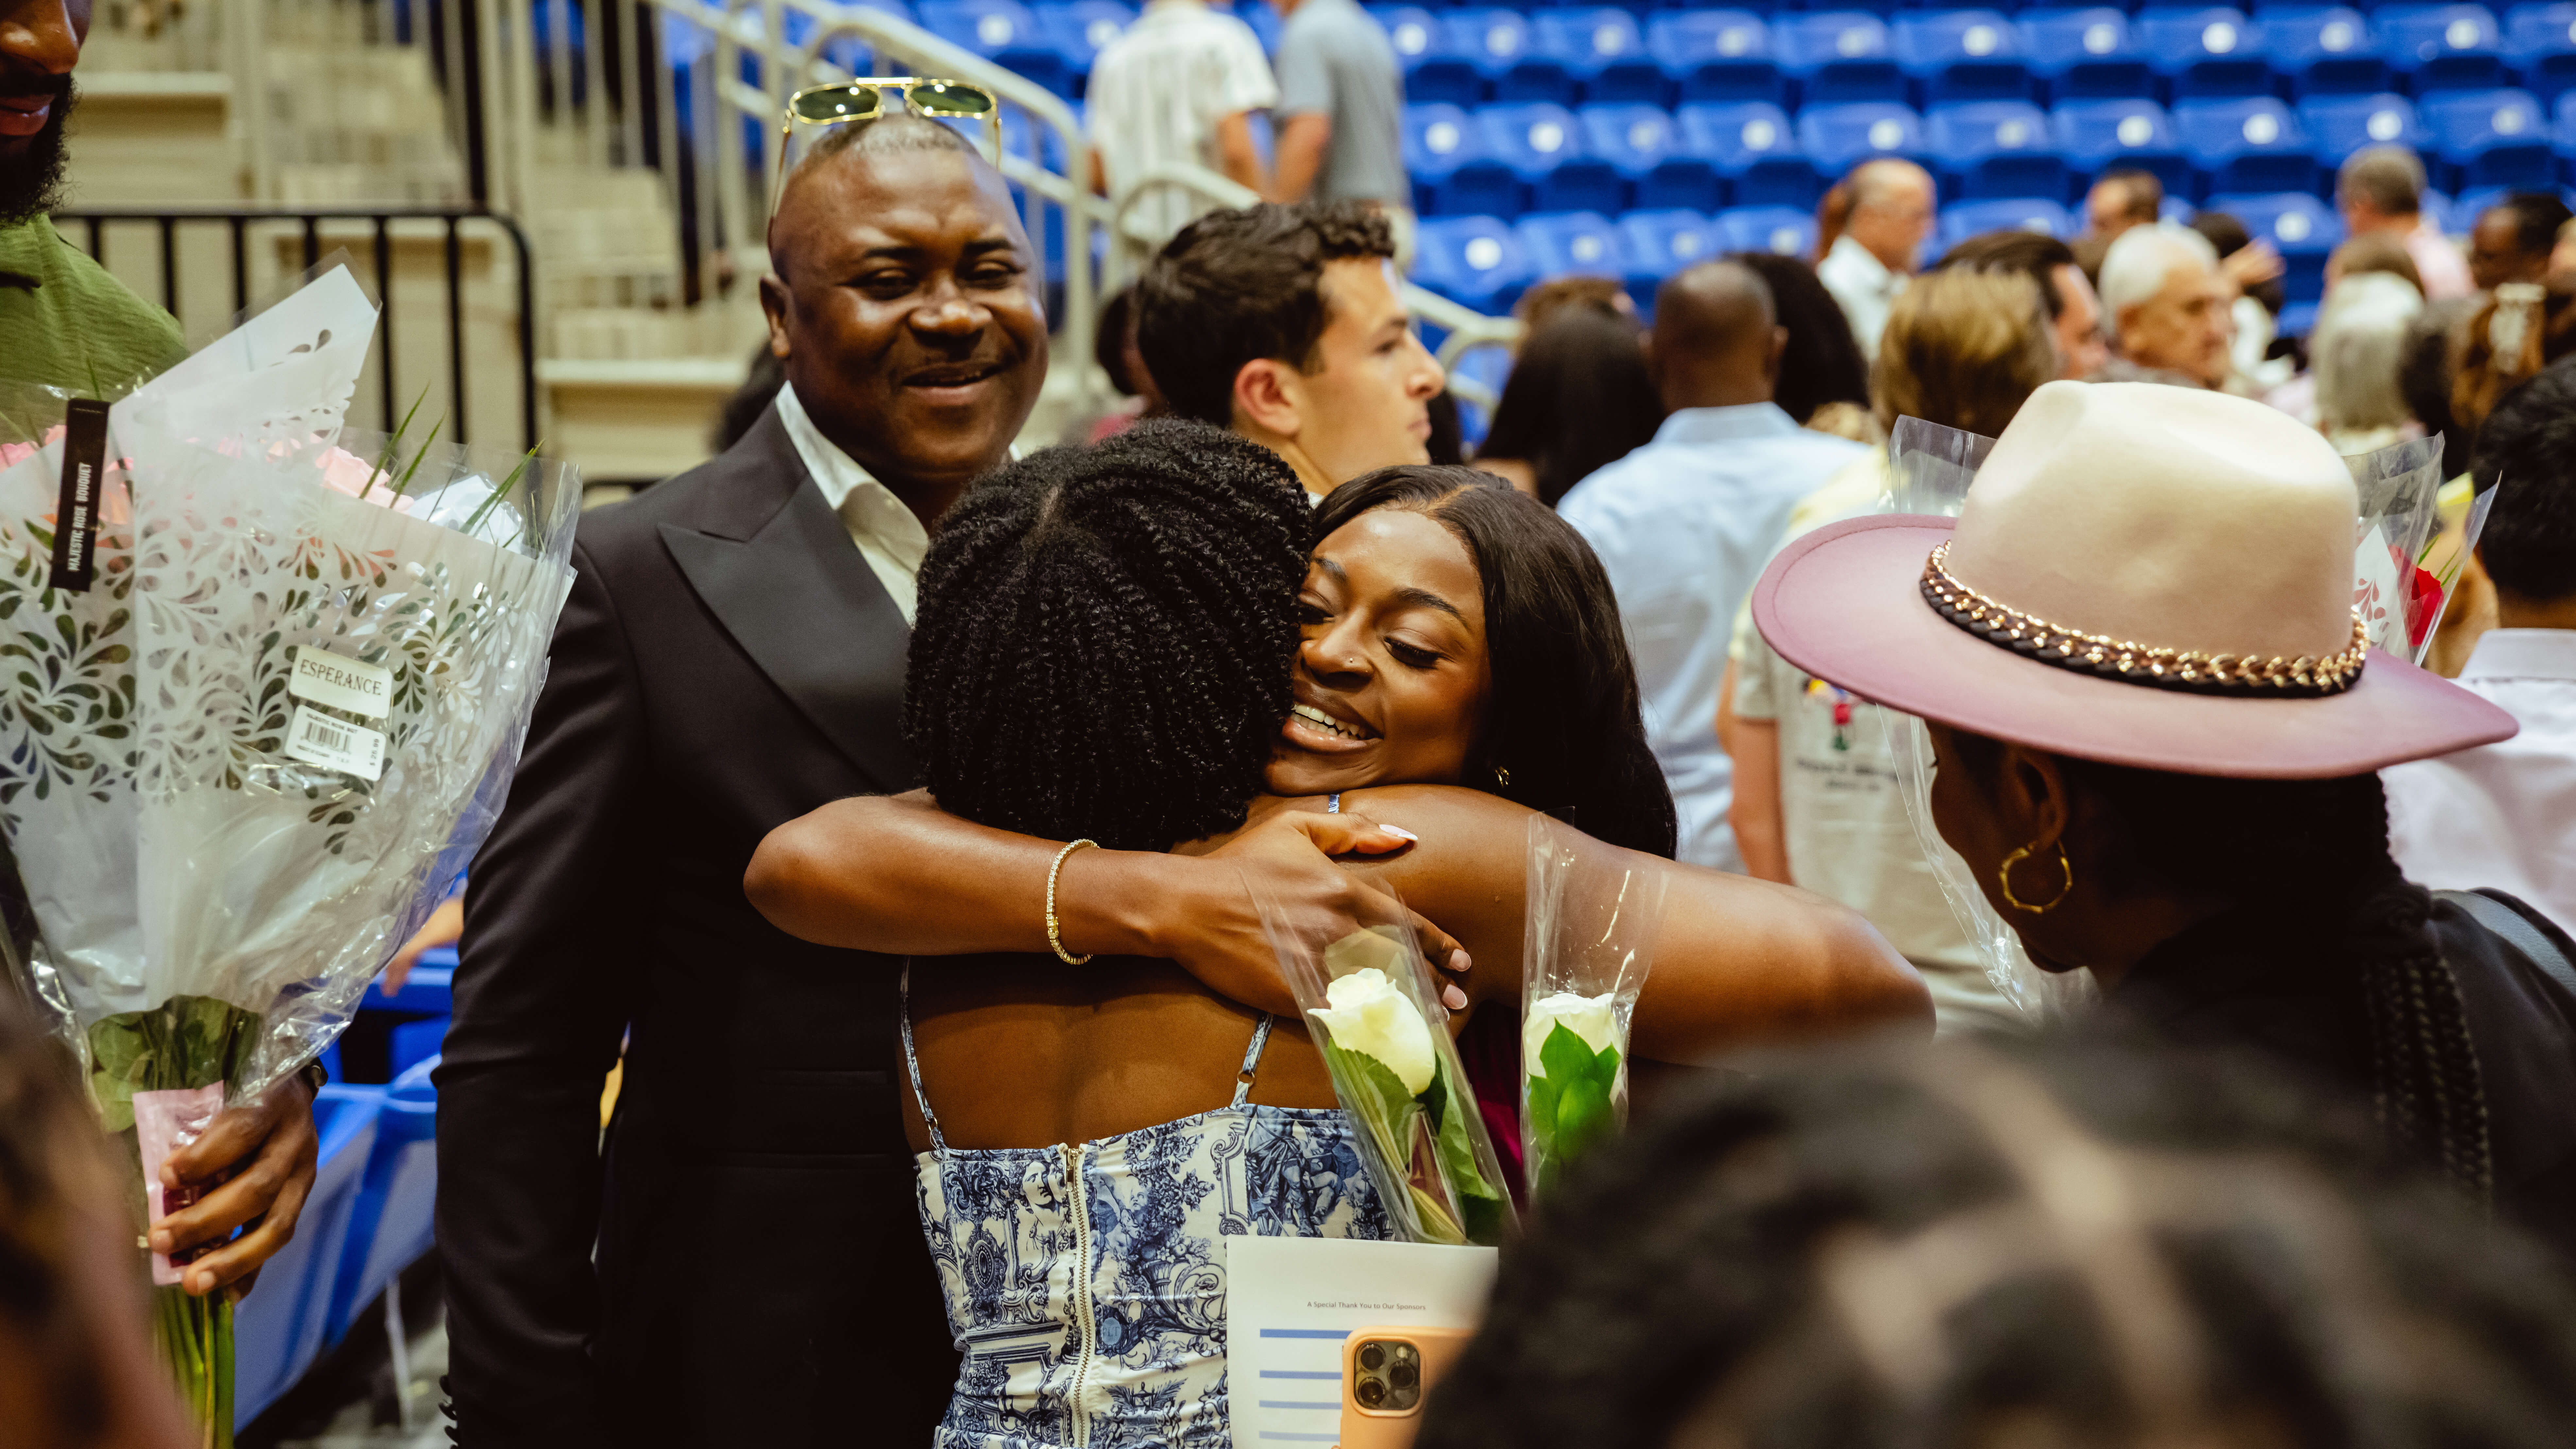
(2489,138)
(1454,172)
(2443,47)
(2324,50)
(2096,136)
(2540,45)
(1435,70)
(2255,144)
(1660,243)
(2301,227)
(1784,230)
(1544,147)
(1645,144)
(1603,50)
(1498,43)
(415,1042)
(2214,51)
(277,1332)
(1473,260)
(1004,32)
(1754,147)
(1081,28)
(1962,55)
(1835,56)
(1837,138)
(1975,218)
(1566,243)
(2085,54)
(2341,125)
(389,1223)
(1716,55)
(1491,366)
(1994,148)
(2461,215)
(2567,131)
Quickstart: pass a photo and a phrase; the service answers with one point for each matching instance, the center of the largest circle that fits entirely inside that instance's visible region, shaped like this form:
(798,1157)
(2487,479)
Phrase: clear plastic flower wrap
(237,769)
(2408,563)
(1375,1013)
(1594,914)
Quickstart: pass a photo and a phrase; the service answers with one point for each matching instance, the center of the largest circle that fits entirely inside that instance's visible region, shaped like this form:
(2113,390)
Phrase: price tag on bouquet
(331,687)
(74,563)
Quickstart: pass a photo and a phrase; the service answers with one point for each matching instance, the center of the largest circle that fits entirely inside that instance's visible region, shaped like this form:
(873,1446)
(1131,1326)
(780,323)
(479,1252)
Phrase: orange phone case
(1389,1423)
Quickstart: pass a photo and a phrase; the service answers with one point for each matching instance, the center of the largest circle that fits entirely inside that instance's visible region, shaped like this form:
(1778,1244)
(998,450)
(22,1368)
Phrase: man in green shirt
(64,321)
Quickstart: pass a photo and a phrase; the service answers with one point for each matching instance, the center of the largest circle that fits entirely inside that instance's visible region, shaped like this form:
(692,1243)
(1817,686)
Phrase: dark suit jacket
(726,663)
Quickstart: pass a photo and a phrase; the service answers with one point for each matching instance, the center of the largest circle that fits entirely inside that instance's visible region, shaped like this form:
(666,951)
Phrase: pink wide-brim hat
(2077,527)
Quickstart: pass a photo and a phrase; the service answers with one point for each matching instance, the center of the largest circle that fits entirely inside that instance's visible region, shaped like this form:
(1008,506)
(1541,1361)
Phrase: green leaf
(1583,1116)
(1375,1095)
(1564,1055)
(1542,1111)
(1457,1153)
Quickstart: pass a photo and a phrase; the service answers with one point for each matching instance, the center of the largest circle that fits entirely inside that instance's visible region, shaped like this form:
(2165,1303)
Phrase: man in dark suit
(732,657)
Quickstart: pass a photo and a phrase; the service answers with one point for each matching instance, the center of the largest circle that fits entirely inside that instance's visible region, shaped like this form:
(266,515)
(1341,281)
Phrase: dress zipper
(1086,1326)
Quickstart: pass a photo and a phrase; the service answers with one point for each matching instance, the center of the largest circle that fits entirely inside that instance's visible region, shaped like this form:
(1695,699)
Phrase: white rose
(1589,1017)
(1370,1017)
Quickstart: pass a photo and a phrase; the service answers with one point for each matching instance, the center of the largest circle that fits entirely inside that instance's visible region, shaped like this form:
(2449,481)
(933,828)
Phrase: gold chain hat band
(2099,654)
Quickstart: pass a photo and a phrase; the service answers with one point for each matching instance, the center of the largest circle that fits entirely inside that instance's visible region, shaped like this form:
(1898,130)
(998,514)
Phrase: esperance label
(318,739)
(339,682)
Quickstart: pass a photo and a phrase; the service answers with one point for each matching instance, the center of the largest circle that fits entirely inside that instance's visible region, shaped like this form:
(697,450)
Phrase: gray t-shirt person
(1334,59)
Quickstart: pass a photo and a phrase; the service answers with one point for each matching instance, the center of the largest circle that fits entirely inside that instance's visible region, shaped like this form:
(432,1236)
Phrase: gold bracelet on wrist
(1053,939)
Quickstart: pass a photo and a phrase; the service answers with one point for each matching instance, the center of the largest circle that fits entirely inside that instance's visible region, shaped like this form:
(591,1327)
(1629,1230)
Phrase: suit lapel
(794,592)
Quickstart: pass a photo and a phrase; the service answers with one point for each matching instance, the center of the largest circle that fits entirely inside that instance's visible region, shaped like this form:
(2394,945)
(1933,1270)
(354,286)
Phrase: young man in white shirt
(2504,815)
(1287,325)
(1891,214)
(1684,524)
(1178,86)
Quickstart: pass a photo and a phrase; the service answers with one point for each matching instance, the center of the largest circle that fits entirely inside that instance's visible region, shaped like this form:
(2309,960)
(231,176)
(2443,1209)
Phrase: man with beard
(64,321)
(740,1261)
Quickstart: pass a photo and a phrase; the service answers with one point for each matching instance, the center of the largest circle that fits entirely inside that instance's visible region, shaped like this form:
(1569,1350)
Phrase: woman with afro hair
(1110,645)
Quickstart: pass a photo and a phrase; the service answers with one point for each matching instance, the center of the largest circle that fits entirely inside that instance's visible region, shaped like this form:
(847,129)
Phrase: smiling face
(908,313)
(1392,675)
(40,42)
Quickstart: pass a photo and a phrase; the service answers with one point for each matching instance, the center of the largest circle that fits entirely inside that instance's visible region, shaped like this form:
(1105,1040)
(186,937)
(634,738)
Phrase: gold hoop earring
(2003,873)
(1502,778)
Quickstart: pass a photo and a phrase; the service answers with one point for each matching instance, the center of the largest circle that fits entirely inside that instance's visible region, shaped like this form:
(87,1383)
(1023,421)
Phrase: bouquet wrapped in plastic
(241,763)
(1375,1012)
(1593,918)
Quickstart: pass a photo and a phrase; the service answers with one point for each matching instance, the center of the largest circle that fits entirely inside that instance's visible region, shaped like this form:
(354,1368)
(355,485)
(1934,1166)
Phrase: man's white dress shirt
(889,536)
(2501,815)
(1864,288)
(1684,525)
(1157,92)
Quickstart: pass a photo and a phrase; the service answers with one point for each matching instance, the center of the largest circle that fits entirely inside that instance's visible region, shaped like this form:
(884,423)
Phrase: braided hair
(2097,1242)
(1105,637)
(2322,844)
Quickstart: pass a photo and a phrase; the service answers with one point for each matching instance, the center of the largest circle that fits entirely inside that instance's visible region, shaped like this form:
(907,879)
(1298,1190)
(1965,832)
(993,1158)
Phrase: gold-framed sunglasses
(864,99)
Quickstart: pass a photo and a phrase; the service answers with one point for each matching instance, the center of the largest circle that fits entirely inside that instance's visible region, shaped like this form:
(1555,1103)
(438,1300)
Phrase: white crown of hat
(2166,516)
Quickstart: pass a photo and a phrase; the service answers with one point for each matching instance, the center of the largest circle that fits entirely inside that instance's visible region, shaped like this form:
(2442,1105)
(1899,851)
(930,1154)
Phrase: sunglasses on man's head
(865,100)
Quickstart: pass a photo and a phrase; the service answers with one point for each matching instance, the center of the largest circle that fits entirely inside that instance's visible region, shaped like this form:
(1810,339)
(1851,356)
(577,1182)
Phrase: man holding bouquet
(732,657)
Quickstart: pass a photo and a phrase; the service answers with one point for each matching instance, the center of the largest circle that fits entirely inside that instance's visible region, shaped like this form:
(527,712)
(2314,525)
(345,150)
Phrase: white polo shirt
(2501,815)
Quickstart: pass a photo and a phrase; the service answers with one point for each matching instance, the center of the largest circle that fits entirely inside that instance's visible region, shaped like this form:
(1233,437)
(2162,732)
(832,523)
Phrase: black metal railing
(91,224)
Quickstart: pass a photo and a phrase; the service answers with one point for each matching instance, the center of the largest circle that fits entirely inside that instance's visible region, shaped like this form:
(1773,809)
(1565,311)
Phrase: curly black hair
(1105,637)
(2086,1242)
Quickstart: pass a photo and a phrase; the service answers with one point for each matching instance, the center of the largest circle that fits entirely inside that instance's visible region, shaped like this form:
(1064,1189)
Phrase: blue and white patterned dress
(1085,1281)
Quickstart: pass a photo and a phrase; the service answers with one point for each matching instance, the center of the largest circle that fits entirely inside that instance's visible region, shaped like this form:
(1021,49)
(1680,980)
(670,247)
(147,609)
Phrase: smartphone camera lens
(1372,1356)
(1405,1376)
(1370,1393)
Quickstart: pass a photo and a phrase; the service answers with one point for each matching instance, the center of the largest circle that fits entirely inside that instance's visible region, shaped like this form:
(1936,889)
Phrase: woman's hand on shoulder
(1286,857)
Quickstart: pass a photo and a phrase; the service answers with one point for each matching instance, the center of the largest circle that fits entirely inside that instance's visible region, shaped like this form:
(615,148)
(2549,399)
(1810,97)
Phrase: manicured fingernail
(1400,833)
(1453,998)
(160,1242)
(1458,961)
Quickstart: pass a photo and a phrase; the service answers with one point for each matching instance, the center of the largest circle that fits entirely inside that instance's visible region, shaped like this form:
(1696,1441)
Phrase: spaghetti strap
(1333,806)
(1251,1061)
(912,1060)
